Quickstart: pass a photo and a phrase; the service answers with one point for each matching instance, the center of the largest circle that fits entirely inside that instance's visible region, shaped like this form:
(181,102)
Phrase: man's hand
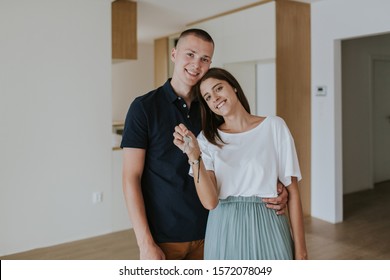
(151,252)
(278,203)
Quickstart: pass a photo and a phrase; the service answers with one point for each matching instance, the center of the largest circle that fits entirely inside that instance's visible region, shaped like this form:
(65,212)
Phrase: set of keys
(187,140)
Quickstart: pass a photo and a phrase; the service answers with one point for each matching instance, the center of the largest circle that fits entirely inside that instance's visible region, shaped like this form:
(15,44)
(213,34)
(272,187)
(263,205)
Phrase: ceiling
(159,18)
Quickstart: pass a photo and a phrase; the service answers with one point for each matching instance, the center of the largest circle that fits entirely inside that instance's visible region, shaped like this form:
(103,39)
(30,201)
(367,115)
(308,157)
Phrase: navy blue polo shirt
(173,209)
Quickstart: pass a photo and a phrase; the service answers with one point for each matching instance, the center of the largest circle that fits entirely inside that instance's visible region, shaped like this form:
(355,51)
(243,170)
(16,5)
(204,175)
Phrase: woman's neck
(240,122)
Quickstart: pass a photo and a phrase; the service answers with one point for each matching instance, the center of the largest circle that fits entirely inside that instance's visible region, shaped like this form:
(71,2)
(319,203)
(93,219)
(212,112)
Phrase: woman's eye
(218,89)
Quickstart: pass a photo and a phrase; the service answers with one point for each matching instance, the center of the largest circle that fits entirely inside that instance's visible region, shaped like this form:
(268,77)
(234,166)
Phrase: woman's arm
(205,181)
(296,220)
(206,186)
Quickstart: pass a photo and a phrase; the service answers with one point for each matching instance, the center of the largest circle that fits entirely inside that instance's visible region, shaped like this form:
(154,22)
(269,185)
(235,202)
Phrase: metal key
(187,140)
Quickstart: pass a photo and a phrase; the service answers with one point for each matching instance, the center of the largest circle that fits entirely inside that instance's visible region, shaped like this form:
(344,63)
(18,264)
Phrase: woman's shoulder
(204,143)
(277,123)
(275,120)
(202,140)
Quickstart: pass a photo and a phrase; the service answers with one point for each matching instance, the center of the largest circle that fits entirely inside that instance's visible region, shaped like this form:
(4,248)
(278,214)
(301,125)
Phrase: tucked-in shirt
(173,209)
(251,162)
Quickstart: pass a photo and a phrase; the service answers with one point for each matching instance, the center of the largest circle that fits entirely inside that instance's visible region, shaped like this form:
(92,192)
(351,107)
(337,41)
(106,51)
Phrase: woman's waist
(240,198)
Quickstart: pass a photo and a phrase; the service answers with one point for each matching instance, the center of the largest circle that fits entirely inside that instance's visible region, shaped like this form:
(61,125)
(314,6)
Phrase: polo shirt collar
(170,93)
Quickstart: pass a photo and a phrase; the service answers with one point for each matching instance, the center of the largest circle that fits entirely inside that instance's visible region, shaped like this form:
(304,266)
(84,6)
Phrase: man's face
(192,59)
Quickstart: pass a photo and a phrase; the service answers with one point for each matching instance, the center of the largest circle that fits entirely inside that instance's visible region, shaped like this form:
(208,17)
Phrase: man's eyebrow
(193,51)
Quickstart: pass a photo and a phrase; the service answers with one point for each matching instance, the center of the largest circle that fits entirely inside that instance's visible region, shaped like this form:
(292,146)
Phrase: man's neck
(182,91)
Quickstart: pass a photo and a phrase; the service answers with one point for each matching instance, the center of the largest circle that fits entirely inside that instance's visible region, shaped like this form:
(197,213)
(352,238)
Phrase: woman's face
(219,95)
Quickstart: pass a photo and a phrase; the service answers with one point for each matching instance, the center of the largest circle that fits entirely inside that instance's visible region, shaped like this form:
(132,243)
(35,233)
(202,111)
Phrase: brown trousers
(192,250)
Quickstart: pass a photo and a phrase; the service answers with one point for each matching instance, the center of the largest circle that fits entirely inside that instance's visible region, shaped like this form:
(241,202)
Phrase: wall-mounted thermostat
(321,91)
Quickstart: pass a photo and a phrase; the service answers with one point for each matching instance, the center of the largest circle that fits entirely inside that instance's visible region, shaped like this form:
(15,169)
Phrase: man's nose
(196,62)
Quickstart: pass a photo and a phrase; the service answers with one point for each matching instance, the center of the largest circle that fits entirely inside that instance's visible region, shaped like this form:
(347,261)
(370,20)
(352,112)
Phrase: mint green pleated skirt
(243,228)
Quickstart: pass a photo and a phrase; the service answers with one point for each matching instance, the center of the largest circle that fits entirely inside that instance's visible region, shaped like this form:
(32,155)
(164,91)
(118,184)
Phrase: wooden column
(161,61)
(293,94)
(124,29)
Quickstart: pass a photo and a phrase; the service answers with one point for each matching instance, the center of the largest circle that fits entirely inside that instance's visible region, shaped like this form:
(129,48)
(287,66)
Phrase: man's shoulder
(150,96)
(148,101)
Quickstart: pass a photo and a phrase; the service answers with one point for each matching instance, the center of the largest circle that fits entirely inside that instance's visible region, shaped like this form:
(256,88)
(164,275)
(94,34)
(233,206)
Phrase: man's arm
(278,203)
(133,165)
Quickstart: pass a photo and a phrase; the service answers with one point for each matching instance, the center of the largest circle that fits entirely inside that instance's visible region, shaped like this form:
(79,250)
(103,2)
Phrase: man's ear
(173,55)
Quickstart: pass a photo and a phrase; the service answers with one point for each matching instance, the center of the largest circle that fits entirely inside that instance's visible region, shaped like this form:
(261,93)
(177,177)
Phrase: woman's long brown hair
(210,120)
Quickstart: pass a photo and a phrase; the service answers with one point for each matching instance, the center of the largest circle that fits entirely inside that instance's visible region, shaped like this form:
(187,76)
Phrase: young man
(168,219)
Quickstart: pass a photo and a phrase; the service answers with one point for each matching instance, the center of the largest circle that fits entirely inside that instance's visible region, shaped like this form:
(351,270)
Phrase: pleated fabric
(243,228)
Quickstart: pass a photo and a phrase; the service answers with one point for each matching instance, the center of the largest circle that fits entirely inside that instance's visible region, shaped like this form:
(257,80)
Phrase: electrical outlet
(321,91)
(97,197)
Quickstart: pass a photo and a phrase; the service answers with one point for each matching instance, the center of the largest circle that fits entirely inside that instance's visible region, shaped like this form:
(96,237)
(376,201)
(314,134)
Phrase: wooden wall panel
(293,98)
(161,60)
(124,29)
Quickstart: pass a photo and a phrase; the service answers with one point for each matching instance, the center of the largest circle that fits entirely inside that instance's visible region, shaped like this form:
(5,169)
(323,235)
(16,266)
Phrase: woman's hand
(186,141)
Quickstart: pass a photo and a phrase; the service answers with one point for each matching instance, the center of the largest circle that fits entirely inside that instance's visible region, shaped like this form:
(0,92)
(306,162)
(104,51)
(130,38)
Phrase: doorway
(365,112)
(381,118)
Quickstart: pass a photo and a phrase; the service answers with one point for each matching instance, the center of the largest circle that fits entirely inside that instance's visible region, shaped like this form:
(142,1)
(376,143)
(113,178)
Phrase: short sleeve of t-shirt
(135,133)
(288,160)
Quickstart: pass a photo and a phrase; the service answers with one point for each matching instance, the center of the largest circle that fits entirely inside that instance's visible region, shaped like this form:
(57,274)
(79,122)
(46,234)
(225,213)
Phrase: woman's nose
(215,97)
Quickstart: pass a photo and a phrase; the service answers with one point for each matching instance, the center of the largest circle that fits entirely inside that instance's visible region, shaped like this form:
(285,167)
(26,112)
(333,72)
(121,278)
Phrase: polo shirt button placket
(188,113)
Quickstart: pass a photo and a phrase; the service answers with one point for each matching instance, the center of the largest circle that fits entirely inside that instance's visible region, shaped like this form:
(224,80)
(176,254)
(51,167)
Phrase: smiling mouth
(220,104)
(191,73)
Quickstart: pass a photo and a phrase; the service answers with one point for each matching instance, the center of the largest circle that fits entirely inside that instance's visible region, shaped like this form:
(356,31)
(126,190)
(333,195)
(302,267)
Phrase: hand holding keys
(187,140)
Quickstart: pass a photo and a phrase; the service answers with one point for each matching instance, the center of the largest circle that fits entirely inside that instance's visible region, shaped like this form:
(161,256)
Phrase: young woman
(236,161)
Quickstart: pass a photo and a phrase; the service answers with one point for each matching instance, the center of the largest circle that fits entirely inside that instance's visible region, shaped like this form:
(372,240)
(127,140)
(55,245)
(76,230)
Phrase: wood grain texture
(293,102)
(124,29)
(161,60)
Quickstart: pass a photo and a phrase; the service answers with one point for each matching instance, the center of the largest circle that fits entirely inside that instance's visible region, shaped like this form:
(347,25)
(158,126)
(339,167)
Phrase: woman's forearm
(296,220)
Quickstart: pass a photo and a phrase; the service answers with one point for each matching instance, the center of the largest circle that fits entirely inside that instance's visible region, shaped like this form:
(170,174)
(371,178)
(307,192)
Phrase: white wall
(55,119)
(130,79)
(247,35)
(266,88)
(333,20)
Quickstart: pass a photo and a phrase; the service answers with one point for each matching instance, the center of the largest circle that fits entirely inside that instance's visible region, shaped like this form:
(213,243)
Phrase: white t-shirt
(251,162)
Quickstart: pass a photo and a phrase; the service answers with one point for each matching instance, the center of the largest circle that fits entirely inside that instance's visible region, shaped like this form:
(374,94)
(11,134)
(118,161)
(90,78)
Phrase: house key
(187,140)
